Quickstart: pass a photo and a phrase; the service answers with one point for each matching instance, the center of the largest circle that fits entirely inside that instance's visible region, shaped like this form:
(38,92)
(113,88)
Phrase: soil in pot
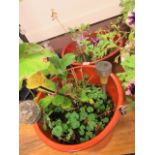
(82,121)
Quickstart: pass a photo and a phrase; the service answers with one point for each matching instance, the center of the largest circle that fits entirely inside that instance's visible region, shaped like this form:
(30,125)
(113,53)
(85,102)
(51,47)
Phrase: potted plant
(76,113)
(90,48)
(127,54)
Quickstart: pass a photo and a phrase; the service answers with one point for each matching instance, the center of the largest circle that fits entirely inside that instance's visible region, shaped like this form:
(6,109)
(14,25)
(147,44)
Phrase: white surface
(35,15)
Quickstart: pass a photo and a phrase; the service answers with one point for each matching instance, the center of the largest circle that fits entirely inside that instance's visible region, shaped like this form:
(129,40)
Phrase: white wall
(35,15)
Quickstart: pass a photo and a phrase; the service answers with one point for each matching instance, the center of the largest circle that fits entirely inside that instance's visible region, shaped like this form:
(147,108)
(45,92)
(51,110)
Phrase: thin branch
(65,95)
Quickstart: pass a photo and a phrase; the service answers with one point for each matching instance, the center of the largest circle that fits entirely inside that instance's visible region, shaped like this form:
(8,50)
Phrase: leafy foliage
(80,29)
(129,67)
(127,5)
(35,61)
(98,47)
(74,112)
(58,65)
(57,131)
(32,60)
(80,124)
(39,79)
(45,102)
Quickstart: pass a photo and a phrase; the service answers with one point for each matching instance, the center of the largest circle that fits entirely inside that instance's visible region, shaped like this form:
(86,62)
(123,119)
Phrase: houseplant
(127,56)
(74,108)
(90,48)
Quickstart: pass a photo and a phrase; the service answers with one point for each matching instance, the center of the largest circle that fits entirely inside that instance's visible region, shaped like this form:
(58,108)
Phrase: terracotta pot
(71,47)
(113,88)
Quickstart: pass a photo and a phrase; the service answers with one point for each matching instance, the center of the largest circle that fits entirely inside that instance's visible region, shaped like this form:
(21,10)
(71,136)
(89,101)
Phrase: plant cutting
(75,112)
(94,47)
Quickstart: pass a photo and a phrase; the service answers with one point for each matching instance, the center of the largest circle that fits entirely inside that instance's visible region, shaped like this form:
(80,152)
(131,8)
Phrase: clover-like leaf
(69,135)
(106,120)
(90,109)
(57,131)
(91,117)
(58,100)
(46,101)
(67,104)
(74,124)
(91,126)
(89,134)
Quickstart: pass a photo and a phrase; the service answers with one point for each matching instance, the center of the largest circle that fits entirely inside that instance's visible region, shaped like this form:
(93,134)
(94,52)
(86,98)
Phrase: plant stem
(32,93)
(69,96)
(75,78)
(83,79)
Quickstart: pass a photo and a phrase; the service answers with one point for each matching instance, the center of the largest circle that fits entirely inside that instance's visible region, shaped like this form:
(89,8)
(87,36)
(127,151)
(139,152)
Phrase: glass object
(104,69)
(29,112)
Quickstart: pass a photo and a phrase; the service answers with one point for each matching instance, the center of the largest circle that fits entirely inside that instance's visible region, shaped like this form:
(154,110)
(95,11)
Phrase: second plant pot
(71,47)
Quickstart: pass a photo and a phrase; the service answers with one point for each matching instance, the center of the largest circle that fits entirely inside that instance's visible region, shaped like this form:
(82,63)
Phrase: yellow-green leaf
(36,80)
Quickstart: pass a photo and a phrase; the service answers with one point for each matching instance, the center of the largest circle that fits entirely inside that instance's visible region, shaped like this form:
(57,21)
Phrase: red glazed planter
(69,48)
(114,89)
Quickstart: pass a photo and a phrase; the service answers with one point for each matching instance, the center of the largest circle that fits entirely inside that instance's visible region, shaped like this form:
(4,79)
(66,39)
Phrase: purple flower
(95,41)
(131,18)
(130,90)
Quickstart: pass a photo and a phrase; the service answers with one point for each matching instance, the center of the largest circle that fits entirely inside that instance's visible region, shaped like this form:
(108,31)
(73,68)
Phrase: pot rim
(96,139)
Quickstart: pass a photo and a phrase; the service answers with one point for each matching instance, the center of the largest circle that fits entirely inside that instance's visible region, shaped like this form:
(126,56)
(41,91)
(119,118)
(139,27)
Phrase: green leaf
(90,109)
(69,135)
(46,101)
(52,69)
(91,126)
(66,88)
(75,124)
(73,115)
(50,124)
(65,127)
(46,120)
(83,96)
(58,100)
(67,104)
(57,131)
(83,116)
(129,62)
(50,85)
(73,119)
(89,134)
(31,59)
(82,132)
(106,120)
(127,5)
(58,122)
(67,60)
(36,80)
(20,84)
(91,117)
(44,126)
